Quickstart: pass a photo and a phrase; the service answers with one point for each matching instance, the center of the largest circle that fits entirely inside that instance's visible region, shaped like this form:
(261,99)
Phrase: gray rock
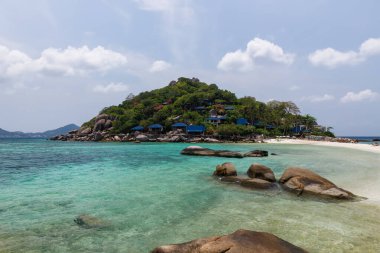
(142,137)
(100,125)
(256,153)
(241,241)
(196,150)
(98,136)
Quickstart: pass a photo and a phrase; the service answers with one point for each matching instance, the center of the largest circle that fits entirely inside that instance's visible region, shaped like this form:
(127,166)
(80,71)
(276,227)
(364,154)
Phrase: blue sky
(63,61)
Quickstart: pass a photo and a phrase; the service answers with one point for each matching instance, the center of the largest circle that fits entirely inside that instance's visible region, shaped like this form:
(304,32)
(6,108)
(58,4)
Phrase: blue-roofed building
(138,128)
(229,107)
(196,129)
(242,121)
(298,129)
(216,120)
(179,125)
(156,128)
(270,127)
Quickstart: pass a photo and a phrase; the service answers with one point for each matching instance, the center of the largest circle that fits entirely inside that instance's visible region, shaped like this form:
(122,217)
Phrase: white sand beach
(358,146)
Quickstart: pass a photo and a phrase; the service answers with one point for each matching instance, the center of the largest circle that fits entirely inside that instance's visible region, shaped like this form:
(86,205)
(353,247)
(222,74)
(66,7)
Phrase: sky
(62,62)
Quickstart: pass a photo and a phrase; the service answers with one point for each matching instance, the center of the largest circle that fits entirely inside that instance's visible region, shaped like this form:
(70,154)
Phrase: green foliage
(181,101)
(232,129)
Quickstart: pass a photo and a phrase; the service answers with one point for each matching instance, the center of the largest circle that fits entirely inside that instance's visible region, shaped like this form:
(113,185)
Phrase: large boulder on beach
(142,137)
(88,221)
(197,150)
(241,241)
(225,170)
(301,180)
(256,153)
(261,172)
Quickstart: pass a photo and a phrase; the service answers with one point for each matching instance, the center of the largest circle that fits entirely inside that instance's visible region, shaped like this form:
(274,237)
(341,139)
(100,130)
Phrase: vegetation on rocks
(191,101)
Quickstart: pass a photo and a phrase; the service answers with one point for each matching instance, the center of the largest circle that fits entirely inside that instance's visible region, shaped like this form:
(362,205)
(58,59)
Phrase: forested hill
(194,102)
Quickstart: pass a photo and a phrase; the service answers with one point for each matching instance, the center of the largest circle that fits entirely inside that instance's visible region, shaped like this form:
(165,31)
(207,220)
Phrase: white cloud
(256,49)
(360,96)
(332,58)
(110,88)
(157,5)
(318,99)
(70,61)
(159,66)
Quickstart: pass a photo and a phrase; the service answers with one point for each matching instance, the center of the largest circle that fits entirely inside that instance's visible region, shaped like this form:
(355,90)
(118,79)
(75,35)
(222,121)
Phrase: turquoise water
(151,195)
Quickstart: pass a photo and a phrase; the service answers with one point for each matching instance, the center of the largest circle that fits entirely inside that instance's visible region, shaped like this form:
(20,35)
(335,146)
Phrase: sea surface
(150,195)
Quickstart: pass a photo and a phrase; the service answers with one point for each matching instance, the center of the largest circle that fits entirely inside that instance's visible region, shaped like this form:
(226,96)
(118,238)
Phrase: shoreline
(357,146)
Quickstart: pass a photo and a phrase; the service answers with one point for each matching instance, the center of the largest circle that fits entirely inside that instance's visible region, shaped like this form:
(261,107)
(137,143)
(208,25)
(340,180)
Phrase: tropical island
(191,110)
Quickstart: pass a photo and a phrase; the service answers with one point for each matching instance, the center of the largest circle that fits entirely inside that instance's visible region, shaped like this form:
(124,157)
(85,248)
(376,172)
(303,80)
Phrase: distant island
(192,107)
(46,134)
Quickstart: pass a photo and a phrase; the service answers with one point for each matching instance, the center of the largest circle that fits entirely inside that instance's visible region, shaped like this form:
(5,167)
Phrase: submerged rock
(196,150)
(88,221)
(301,180)
(256,153)
(225,170)
(262,172)
(241,241)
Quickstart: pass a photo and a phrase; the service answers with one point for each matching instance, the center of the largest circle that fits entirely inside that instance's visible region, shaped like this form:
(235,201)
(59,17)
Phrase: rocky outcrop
(241,241)
(197,150)
(225,170)
(301,181)
(261,172)
(256,153)
(88,221)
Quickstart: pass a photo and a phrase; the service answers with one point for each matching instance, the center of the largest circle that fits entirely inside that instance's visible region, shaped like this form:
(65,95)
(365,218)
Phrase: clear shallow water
(151,196)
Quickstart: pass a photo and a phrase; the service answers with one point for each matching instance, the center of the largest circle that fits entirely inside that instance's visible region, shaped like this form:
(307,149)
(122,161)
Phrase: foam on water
(151,195)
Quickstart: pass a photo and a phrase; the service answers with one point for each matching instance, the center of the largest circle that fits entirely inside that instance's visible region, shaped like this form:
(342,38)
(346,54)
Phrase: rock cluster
(300,181)
(197,150)
(241,241)
(259,176)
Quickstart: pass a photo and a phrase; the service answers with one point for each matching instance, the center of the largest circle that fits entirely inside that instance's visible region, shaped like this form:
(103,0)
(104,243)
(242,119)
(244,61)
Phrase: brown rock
(225,170)
(99,125)
(302,180)
(262,172)
(196,150)
(257,183)
(256,153)
(241,241)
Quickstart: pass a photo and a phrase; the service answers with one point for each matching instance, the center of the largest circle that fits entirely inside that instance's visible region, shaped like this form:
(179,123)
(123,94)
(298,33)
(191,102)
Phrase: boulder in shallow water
(256,153)
(88,221)
(257,183)
(262,172)
(241,241)
(301,180)
(225,170)
(196,150)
